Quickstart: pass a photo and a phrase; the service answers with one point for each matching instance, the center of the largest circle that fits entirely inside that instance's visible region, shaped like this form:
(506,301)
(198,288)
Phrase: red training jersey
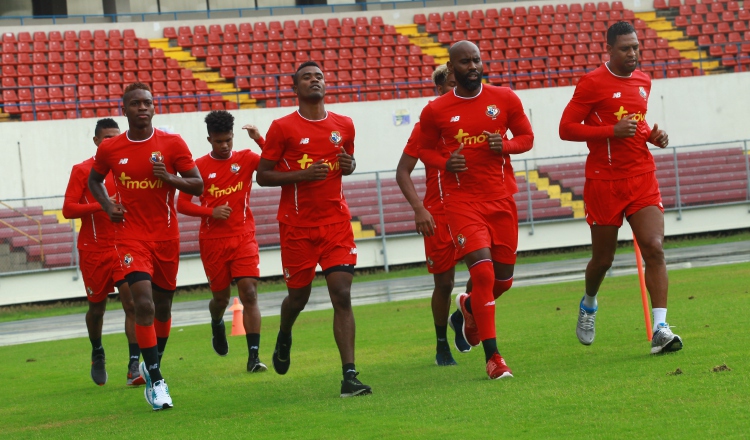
(227,181)
(600,100)
(296,143)
(433,197)
(452,120)
(148,201)
(97,230)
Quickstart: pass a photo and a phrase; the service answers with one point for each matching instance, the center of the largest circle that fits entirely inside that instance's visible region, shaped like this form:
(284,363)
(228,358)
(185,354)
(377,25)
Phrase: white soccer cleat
(664,341)
(586,330)
(161,397)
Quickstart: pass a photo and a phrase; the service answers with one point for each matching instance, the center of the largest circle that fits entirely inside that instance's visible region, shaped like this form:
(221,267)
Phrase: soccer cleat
(497,368)
(254,365)
(664,341)
(281,355)
(160,397)
(134,376)
(444,358)
(219,339)
(351,386)
(148,392)
(585,329)
(456,321)
(469,328)
(98,372)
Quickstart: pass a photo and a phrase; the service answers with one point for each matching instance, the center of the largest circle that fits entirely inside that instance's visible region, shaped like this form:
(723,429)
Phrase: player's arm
(186,206)
(268,176)
(579,107)
(429,138)
(72,208)
(519,125)
(255,135)
(115,211)
(422,217)
(189,181)
(658,137)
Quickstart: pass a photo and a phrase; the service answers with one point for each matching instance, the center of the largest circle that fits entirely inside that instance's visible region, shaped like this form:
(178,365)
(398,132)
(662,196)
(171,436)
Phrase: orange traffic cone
(238,327)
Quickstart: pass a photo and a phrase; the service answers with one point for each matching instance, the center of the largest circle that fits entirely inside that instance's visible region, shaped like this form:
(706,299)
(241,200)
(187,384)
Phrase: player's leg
(126,299)
(648,227)
(216,307)
(216,255)
(291,307)
(94,322)
(162,316)
(456,321)
(441,304)
(248,291)
(166,259)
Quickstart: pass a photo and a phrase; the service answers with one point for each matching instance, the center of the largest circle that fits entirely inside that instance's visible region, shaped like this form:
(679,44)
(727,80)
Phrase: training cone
(238,328)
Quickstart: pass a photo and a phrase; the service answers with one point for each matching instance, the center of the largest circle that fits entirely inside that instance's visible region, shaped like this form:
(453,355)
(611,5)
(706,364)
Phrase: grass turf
(561,389)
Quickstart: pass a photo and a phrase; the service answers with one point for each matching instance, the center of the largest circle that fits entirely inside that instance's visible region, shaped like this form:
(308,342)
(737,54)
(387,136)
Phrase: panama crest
(235,167)
(335,137)
(156,157)
(492,111)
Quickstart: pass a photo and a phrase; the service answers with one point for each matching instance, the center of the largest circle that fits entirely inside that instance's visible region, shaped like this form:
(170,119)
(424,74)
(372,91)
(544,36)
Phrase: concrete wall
(692,110)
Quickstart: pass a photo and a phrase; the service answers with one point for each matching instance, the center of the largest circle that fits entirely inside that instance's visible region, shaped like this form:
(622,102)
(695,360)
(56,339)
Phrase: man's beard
(469,84)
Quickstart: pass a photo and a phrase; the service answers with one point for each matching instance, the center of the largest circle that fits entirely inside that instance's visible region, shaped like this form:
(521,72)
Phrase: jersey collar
(481,88)
(127,135)
(312,120)
(616,75)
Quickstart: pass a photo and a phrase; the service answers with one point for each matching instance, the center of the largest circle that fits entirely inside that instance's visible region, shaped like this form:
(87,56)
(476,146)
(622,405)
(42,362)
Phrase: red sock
(145,335)
(162,328)
(482,302)
(501,286)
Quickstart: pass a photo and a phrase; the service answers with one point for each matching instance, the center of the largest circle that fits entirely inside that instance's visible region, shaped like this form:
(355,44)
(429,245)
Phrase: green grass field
(561,389)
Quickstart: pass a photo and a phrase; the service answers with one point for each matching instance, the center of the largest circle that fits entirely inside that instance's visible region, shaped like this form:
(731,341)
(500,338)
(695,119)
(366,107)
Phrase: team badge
(642,92)
(90,291)
(353,251)
(335,137)
(156,157)
(127,259)
(461,240)
(430,262)
(286,273)
(235,167)
(492,111)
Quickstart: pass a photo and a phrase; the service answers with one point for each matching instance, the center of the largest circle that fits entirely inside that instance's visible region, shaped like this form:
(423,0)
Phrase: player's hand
(161,173)
(317,171)
(659,137)
(115,211)
(626,127)
(425,222)
(222,212)
(457,162)
(346,162)
(495,141)
(252,131)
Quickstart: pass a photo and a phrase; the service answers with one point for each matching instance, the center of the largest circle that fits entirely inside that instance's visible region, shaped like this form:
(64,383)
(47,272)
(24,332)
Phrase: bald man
(464,135)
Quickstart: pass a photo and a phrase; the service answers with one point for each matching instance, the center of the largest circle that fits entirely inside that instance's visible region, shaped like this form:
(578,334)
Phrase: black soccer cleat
(98,372)
(281,354)
(456,321)
(351,386)
(219,339)
(444,358)
(254,365)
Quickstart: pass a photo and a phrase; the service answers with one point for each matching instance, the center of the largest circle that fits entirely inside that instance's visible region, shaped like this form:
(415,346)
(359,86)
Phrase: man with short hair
(229,250)
(307,153)
(429,216)
(612,102)
(143,161)
(464,133)
(100,265)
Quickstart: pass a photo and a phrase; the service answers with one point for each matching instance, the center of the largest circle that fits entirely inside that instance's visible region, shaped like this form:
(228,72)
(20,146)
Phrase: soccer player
(464,133)
(227,233)
(144,161)
(100,265)
(429,217)
(620,177)
(307,153)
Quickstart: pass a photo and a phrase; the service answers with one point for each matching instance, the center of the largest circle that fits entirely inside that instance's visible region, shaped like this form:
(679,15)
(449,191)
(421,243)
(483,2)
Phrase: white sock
(660,316)
(589,301)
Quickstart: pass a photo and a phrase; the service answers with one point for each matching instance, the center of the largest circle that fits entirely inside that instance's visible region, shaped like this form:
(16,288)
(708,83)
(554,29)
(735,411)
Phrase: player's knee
(143,307)
(444,287)
(221,301)
(96,310)
(652,250)
(602,262)
(341,299)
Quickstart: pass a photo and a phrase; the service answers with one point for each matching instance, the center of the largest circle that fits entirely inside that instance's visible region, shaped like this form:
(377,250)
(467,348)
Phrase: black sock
(284,337)
(216,323)
(441,331)
(490,348)
(96,346)
(467,304)
(135,353)
(348,370)
(253,343)
(161,343)
(151,358)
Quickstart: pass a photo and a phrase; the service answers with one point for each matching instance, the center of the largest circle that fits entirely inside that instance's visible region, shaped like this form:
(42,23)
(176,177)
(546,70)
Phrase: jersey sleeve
(429,137)
(261,141)
(274,148)
(412,145)
(72,208)
(349,144)
(519,125)
(579,107)
(101,160)
(184,158)
(251,161)
(186,206)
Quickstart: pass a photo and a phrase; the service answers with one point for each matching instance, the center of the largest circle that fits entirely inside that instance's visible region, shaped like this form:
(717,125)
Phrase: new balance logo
(212,175)
(491,303)
(123,161)
(617,95)
(304,141)
(455,118)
